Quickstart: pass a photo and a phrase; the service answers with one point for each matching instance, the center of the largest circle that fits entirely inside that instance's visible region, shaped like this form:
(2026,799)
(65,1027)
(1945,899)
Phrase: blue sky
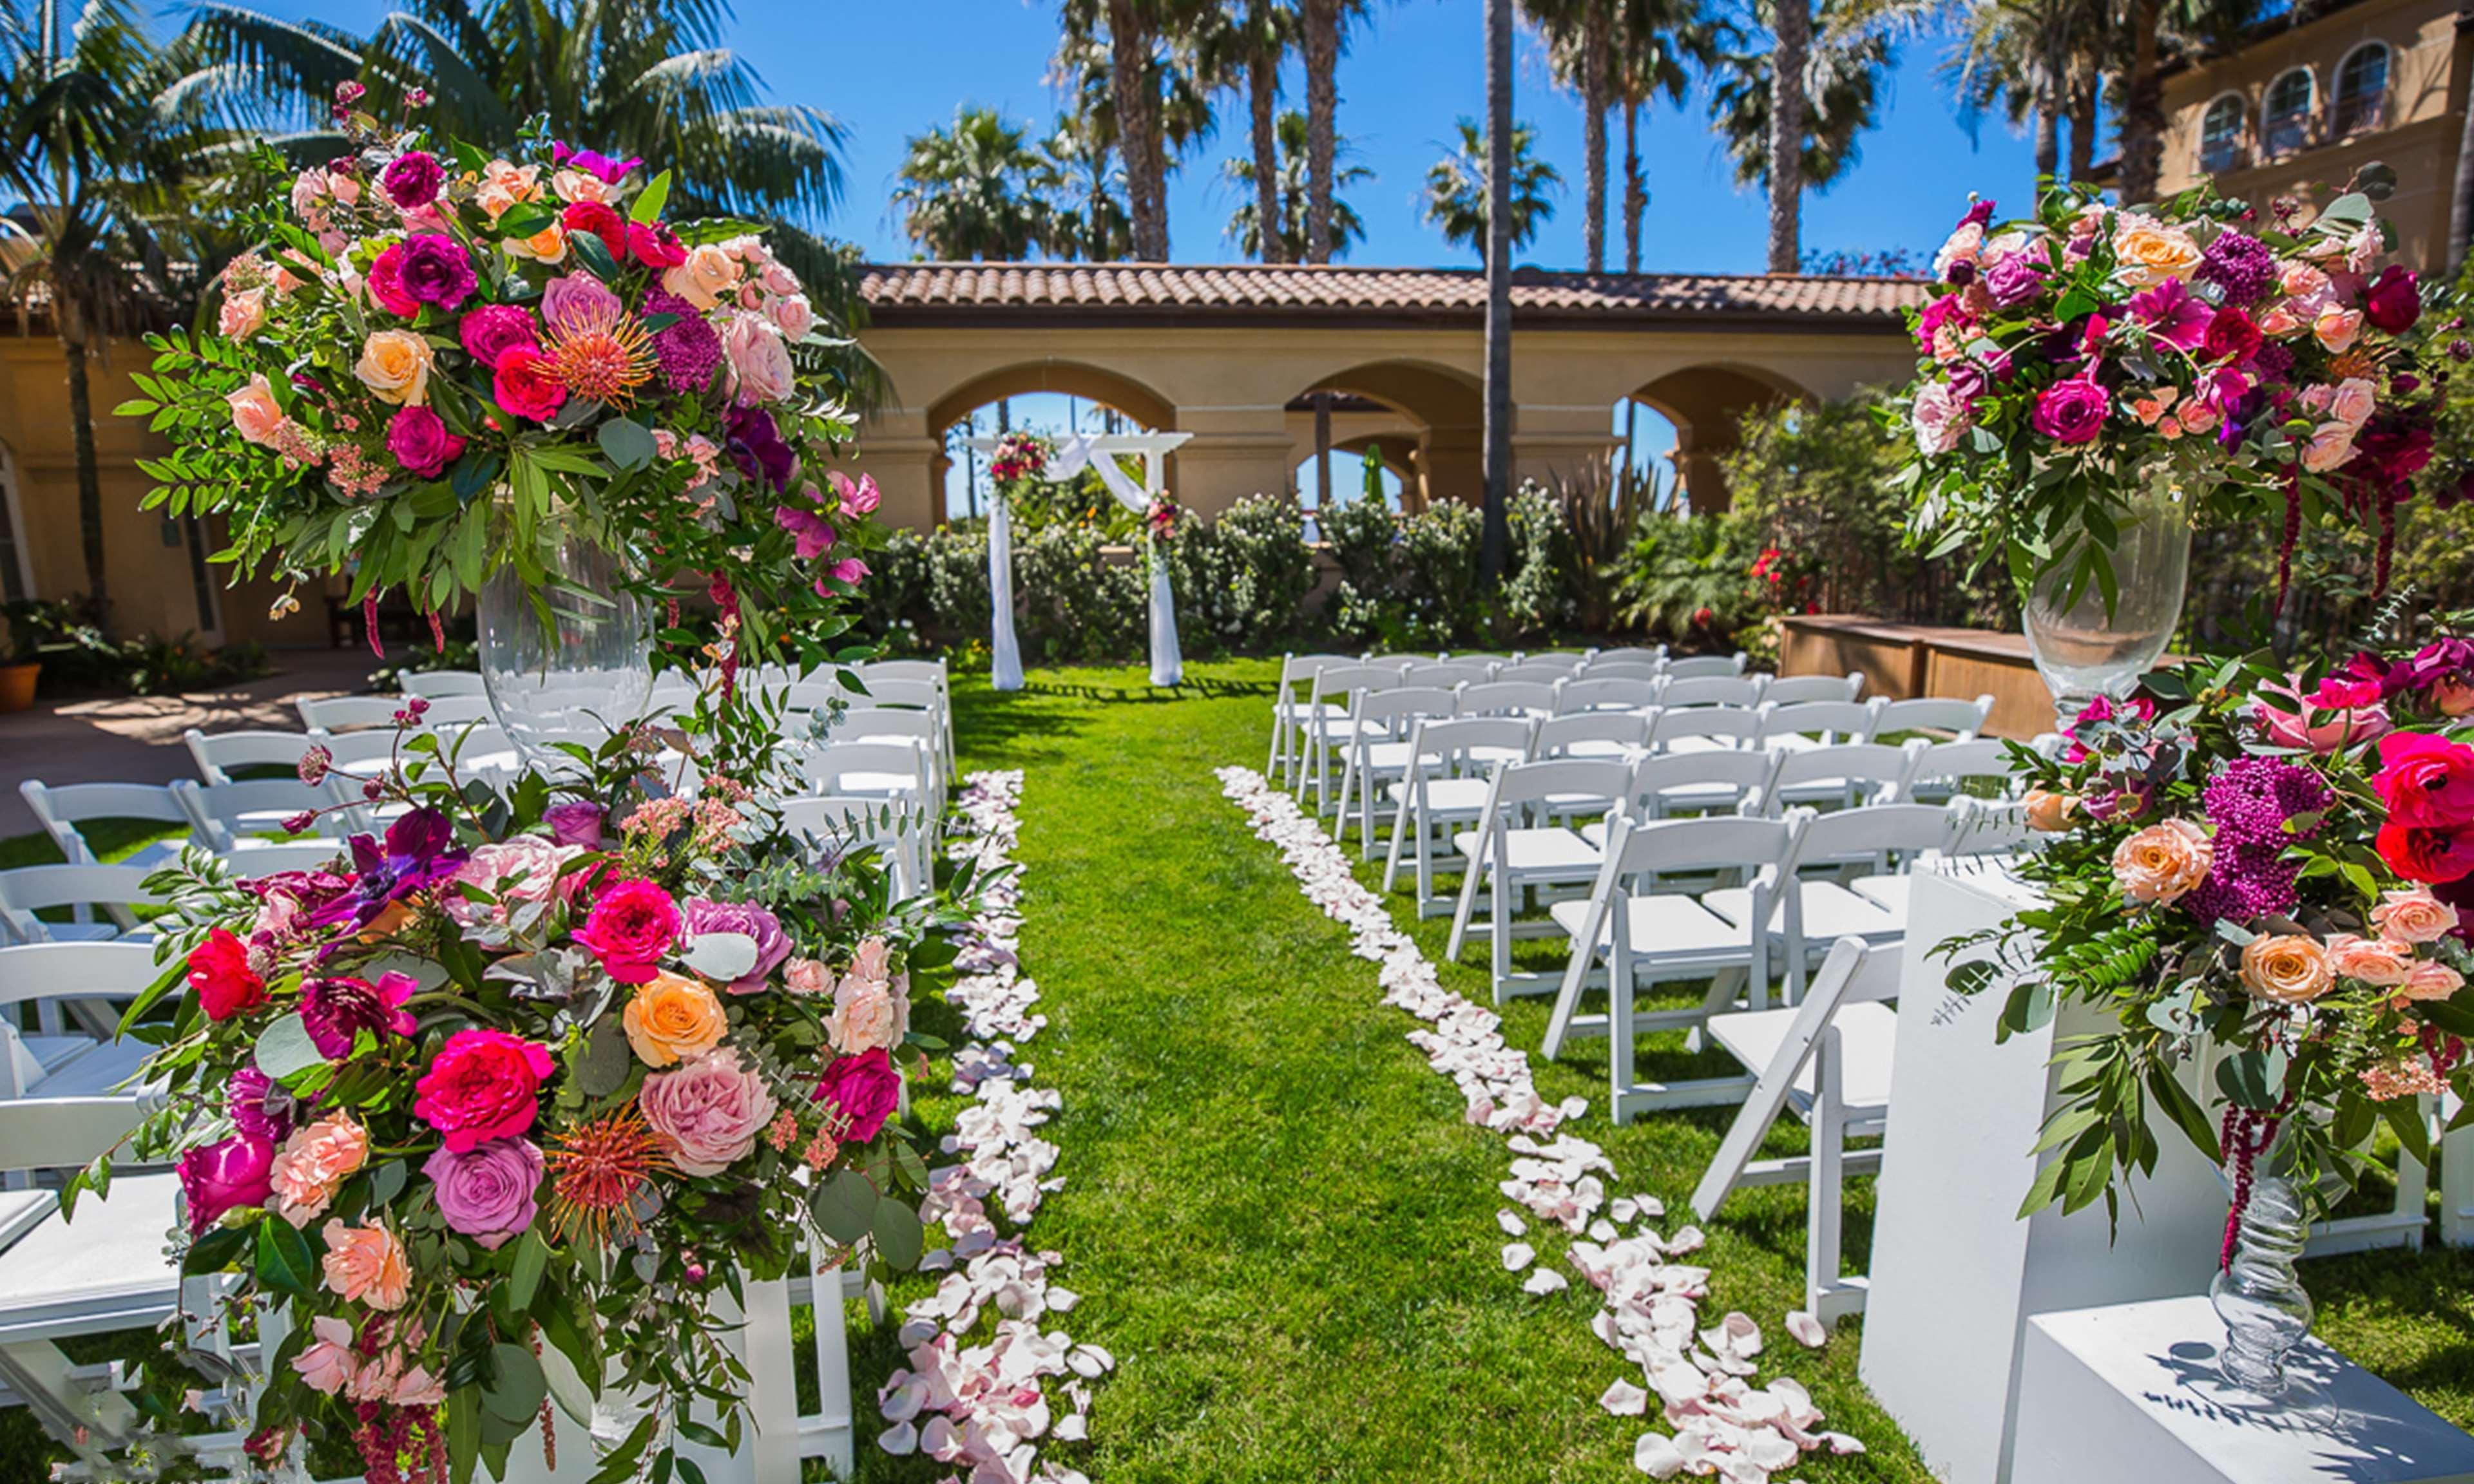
(889,71)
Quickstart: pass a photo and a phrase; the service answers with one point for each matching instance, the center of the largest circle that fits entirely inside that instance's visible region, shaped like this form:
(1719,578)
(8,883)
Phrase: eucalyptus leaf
(284,1048)
(720,957)
(517,1386)
(844,1205)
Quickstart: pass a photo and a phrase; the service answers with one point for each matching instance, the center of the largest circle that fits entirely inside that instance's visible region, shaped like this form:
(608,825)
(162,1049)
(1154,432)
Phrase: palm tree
(1242,45)
(1837,100)
(100,128)
(1322,27)
(1288,196)
(1137,74)
(977,190)
(1656,40)
(1457,191)
(1088,183)
(1580,35)
(2013,55)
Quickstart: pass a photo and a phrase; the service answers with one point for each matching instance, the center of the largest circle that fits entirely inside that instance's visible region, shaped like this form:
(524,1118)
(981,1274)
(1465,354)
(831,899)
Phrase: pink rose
(242,315)
(2369,960)
(524,385)
(491,330)
(632,927)
(2162,863)
(2336,328)
(868,1014)
(386,283)
(2427,782)
(2311,724)
(486,1192)
(522,872)
(860,497)
(217,1177)
(859,1092)
(710,1110)
(792,315)
(759,364)
(2353,401)
(419,442)
(255,412)
(328,1362)
(806,976)
(2331,445)
(2430,979)
(2413,916)
(484,1084)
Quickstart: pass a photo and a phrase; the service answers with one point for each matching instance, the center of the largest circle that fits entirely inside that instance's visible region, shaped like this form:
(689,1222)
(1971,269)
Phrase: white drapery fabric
(1079,451)
(1005,652)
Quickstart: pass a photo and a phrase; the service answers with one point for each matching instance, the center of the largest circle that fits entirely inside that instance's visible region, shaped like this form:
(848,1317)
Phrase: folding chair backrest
(1395,711)
(929,670)
(893,690)
(1982,826)
(467,742)
(438,685)
(1591,693)
(1795,689)
(870,723)
(1743,690)
(352,749)
(217,755)
(61,810)
(458,710)
(1566,780)
(1335,683)
(1556,734)
(1665,781)
(1722,843)
(848,819)
(1608,657)
(1951,765)
(1704,666)
(226,815)
(1651,670)
(348,714)
(826,765)
(34,971)
(1830,721)
(1450,745)
(1963,719)
(1736,724)
(1871,834)
(30,888)
(1548,671)
(1478,658)
(1877,764)
(62,1132)
(1506,698)
(1448,673)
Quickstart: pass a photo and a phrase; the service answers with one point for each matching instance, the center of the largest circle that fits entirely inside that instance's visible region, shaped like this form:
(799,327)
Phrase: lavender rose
(486,1192)
(577,822)
(2071,411)
(710,1110)
(772,944)
(436,270)
(2013,279)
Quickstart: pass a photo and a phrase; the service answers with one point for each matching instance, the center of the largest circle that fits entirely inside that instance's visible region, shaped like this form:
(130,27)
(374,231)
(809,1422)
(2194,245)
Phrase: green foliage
(1688,577)
(1241,580)
(1074,601)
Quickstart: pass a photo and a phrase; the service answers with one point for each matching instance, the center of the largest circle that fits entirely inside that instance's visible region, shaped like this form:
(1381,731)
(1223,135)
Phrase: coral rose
(673,1020)
(2048,811)
(312,1167)
(2163,862)
(394,366)
(254,412)
(704,276)
(2429,979)
(710,1110)
(2379,960)
(2288,969)
(366,1265)
(2413,916)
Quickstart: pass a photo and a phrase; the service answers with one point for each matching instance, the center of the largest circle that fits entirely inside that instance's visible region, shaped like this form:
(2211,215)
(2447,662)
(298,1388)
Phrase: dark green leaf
(517,1385)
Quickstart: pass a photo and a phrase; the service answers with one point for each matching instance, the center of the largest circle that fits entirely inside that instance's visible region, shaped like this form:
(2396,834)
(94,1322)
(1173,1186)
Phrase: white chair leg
(1399,829)
(1824,1193)
(1622,1069)
(1499,900)
(1470,870)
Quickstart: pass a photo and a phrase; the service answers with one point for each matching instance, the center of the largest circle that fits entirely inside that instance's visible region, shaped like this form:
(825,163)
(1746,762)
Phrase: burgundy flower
(2393,302)
(2173,313)
(258,1105)
(755,444)
(337,1010)
(2239,264)
(413,179)
(688,348)
(437,269)
(2231,337)
(217,1177)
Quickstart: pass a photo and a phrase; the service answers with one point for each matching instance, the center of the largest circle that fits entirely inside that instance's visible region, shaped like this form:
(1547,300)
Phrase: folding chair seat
(1740,690)
(1840,776)
(435,686)
(1452,762)
(1961,719)
(1830,1062)
(1808,911)
(1648,930)
(1330,692)
(60,810)
(217,755)
(349,713)
(1513,856)
(1703,729)
(68,997)
(1943,770)
(930,672)
(108,893)
(1809,724)
(1595,693)
(1796,689)
(1706,666)
(1378,752)
(1291,714)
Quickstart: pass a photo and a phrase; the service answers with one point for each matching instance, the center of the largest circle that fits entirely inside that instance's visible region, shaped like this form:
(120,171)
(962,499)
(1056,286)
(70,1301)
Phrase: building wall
(2418,136)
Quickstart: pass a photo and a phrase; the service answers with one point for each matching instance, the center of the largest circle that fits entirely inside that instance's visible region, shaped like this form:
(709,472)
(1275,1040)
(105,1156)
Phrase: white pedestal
(1956,1273)
(2130,1395)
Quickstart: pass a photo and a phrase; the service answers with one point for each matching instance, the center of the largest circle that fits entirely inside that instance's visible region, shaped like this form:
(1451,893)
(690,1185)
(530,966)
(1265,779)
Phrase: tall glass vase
(2263,1303)
(577,678)
(2082,648)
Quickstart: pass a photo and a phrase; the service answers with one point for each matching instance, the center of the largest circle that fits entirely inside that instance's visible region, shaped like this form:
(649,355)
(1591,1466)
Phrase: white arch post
(1098,452)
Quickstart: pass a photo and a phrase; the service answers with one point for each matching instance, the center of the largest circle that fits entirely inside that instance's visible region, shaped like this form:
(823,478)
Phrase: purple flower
(2071,411)
(574,301)
(2239,264)
(688,349)
(491,330)
(416,855)
(2252,804)
(2271,360)
(259,1105)
(436,270)
(772,944)
(412,179)
(486,1192)
(577,822)
(2173,315)
(1979,214)
(755,444)
(337,1010)
(2013,279)
(594,162)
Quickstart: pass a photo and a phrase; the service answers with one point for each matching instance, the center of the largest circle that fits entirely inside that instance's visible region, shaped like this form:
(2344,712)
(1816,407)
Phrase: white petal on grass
(1512,1224)
(1517,1255)
(1543,1281)
(1655,1455)
(1624,1399)
(1806,1329)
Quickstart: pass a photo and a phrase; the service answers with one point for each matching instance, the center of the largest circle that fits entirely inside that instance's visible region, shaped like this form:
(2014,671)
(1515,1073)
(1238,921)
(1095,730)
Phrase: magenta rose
(631,928)
(437,269)
(486,1192)
(336,1010)
(413,179)
(772,944)
(419,442)
(2070,411)
(491,330)
(386,283)
(2393,302)
(864,1089)
(217,1177)
(710,1110)
(485,1085)
(525,385)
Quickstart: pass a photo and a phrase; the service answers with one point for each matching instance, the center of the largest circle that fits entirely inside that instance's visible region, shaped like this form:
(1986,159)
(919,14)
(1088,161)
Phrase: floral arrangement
(441,361)
(2091,356)
(1159,520)
(1020,456)
(505,1099)
(2272,866)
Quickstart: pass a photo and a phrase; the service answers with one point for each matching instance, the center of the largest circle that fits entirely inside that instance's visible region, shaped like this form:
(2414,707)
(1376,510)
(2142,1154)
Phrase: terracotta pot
(17,685)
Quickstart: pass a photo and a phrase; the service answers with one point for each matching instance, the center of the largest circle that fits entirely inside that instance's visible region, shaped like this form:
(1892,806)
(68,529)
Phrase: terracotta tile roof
(1086,292)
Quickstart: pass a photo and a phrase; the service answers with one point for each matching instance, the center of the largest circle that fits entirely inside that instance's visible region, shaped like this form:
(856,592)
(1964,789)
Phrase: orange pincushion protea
(602,354)
(595,1169)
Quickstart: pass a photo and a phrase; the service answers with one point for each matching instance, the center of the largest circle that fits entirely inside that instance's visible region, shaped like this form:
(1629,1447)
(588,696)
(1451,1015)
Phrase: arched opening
(2220,136)
(2285,120)
(1053,397)
(1428,423)
(1704,405)
(2361,104)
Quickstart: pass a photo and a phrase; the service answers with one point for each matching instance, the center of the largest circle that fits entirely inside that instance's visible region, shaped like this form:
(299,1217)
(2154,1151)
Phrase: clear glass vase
(577,678)
(2263,1303)
(2084,650)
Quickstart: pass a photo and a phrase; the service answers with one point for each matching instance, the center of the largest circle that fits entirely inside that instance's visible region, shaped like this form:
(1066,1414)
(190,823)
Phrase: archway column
(1236,451)
(1554,441)
(910,473)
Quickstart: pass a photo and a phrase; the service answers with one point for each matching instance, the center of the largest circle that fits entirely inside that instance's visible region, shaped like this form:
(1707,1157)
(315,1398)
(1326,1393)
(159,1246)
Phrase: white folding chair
(106,891)
(1329,691)
(1828,1062)
(1735,690)
(1807,911)
(872,770)
(1678,785)
(932,672)
(349,713)
(1377,751)
(875,724)
(1451,764)
(1592,693)
(1944,770)
(1623,735)
(217,755)
(437,685)
(1706,665)
(1545,672)
(60,809)
(1704,727)
(1655,658)
(1508,698)
(1961,719)
(1289,713)
(1649,931)
(67,997)
(837,822)
(1796,689)
(1516,852)
(1840,777)
(457,710)
(234,820)
(1475,657)
(1817,723)
(1448,673)
(1649,671)
(363,755)
(1977,827)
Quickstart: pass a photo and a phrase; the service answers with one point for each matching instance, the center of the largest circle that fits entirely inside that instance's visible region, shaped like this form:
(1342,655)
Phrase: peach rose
(2379,960)
(806,976)
(2050,812)
(2353,401)
(2279,321)
(243,314)
(329,1361)
(503,183)
(313,1165)
(2300,281)
(2163,862)
(573,185)
(547,246)
(2147,252)
(705,279)
(673,1018)
(366,1265)
(254,414)
(2337,327)
(2286,969)
(2331,445)
(394,366)
(2456,697)
(2430,979)
(2413,917)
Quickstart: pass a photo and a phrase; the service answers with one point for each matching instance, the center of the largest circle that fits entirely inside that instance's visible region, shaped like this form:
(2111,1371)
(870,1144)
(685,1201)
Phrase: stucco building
(2305,102)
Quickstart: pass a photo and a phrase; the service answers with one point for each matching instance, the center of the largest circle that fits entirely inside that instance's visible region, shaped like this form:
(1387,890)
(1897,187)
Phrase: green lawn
(1275,1216)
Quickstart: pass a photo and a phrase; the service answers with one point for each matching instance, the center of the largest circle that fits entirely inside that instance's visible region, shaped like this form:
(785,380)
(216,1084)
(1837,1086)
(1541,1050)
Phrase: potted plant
(33,626)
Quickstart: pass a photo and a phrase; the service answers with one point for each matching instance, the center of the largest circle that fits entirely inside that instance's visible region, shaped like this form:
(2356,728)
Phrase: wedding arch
(1073,453)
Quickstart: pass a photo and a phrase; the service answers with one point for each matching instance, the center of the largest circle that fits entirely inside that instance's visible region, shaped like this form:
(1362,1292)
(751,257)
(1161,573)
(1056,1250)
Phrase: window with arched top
(2285,122)
(2361,104)
(2220,136)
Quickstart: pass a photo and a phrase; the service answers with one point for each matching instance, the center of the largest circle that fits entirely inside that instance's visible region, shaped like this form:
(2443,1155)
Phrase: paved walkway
(136,739)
